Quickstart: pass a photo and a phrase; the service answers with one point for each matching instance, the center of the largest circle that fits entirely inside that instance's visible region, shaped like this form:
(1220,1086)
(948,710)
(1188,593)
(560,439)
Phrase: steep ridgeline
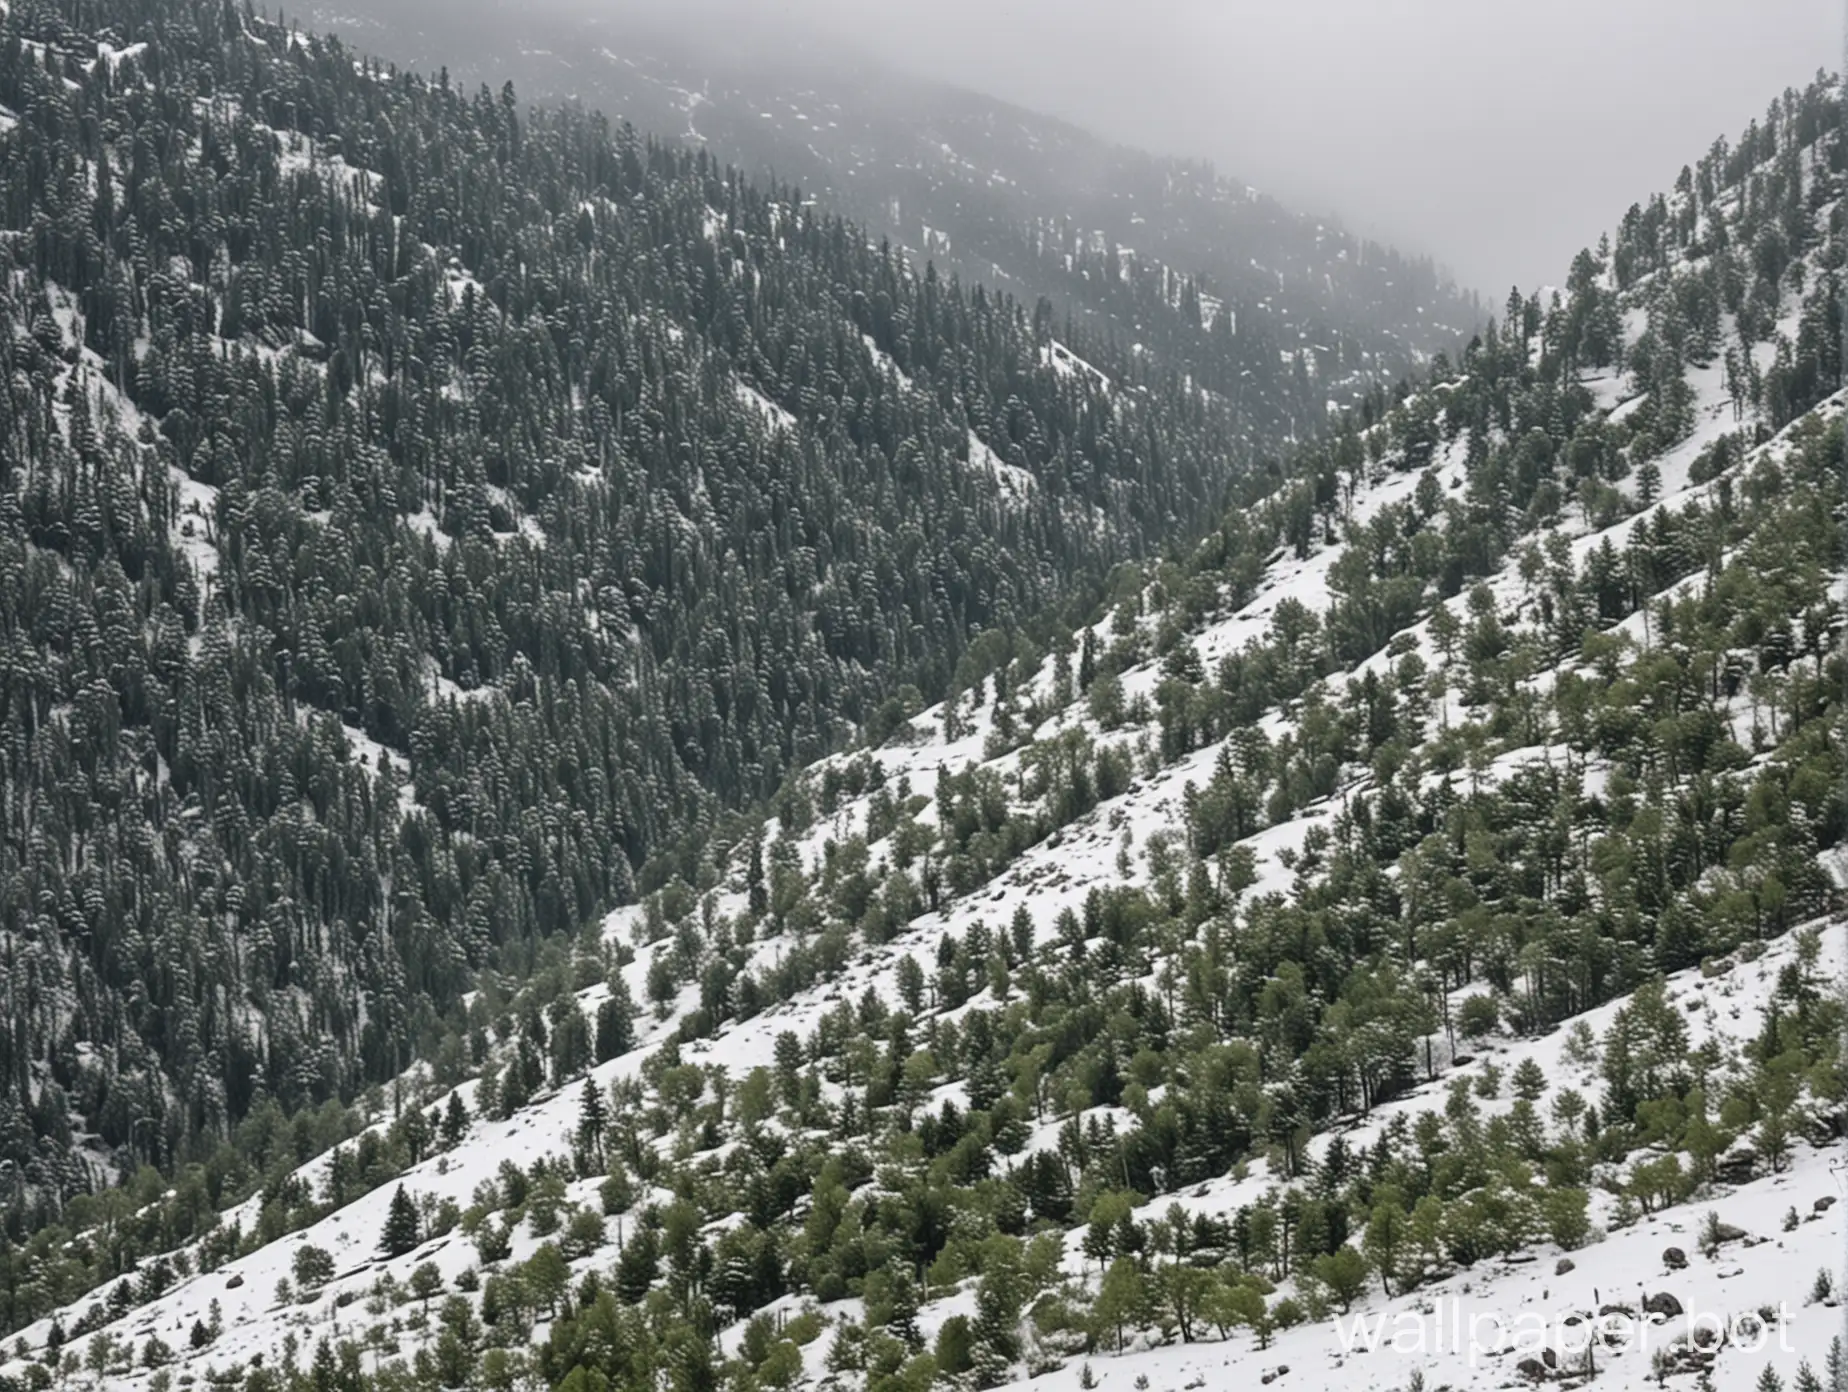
(1432,873)
(1165,258)
(420,513)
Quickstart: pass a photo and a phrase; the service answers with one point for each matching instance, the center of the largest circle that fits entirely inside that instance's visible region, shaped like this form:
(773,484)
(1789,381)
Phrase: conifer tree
(402,1229)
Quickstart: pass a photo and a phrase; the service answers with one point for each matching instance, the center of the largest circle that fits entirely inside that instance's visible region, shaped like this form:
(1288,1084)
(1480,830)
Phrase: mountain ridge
(993,192)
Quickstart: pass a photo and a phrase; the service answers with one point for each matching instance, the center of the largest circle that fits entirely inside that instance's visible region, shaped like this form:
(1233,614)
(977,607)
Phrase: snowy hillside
(375,612)
(1412,914)
(1790,1231)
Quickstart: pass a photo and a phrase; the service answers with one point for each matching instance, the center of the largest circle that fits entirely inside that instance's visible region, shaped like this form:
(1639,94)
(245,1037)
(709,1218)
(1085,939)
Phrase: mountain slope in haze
(426,521)
(1426,889)
(1153,251)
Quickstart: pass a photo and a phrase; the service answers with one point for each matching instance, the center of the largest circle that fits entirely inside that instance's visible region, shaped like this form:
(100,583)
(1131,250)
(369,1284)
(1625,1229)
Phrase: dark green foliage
(403,1228)
(399,567)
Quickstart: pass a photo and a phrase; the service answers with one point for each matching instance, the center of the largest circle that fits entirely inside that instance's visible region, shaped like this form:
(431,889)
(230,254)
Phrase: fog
(1498,136)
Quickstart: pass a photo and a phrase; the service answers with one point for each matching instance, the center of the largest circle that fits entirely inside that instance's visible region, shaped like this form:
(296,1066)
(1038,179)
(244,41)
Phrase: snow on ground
(424,522)
(114,57)
(1619,1267)
(458,282)
(1062,870)
(1013,479)
(299,154)
(767,410)
(524,523)
(1501,1299)
(256,1322)
(443,689)
(885,362)
(195,527)
(1015,482)
(1068,364)
(1472,1329)
(377,759)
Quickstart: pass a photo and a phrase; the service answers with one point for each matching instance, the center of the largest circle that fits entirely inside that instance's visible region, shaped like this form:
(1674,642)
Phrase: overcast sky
(1497,135)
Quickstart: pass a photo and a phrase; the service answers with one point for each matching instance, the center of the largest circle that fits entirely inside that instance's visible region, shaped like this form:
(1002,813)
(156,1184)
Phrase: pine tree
(592,1119)
(455,1121)
(402,1225)
(1648,483)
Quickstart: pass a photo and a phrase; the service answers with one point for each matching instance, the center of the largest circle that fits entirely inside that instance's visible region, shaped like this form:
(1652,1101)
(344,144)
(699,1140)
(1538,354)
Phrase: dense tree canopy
(422,513)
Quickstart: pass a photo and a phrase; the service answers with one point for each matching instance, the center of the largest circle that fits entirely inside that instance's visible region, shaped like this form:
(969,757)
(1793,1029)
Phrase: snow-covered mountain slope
(1468,1329)
(1420,904)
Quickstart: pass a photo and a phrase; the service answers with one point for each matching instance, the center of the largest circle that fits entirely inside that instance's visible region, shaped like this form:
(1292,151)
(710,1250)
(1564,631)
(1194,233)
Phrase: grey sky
(1498,135)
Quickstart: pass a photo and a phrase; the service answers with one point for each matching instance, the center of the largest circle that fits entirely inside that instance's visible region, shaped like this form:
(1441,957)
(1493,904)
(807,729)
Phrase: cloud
(1498,135)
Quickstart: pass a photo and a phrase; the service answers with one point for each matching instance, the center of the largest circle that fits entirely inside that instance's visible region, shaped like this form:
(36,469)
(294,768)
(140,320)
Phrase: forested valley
(608,783)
